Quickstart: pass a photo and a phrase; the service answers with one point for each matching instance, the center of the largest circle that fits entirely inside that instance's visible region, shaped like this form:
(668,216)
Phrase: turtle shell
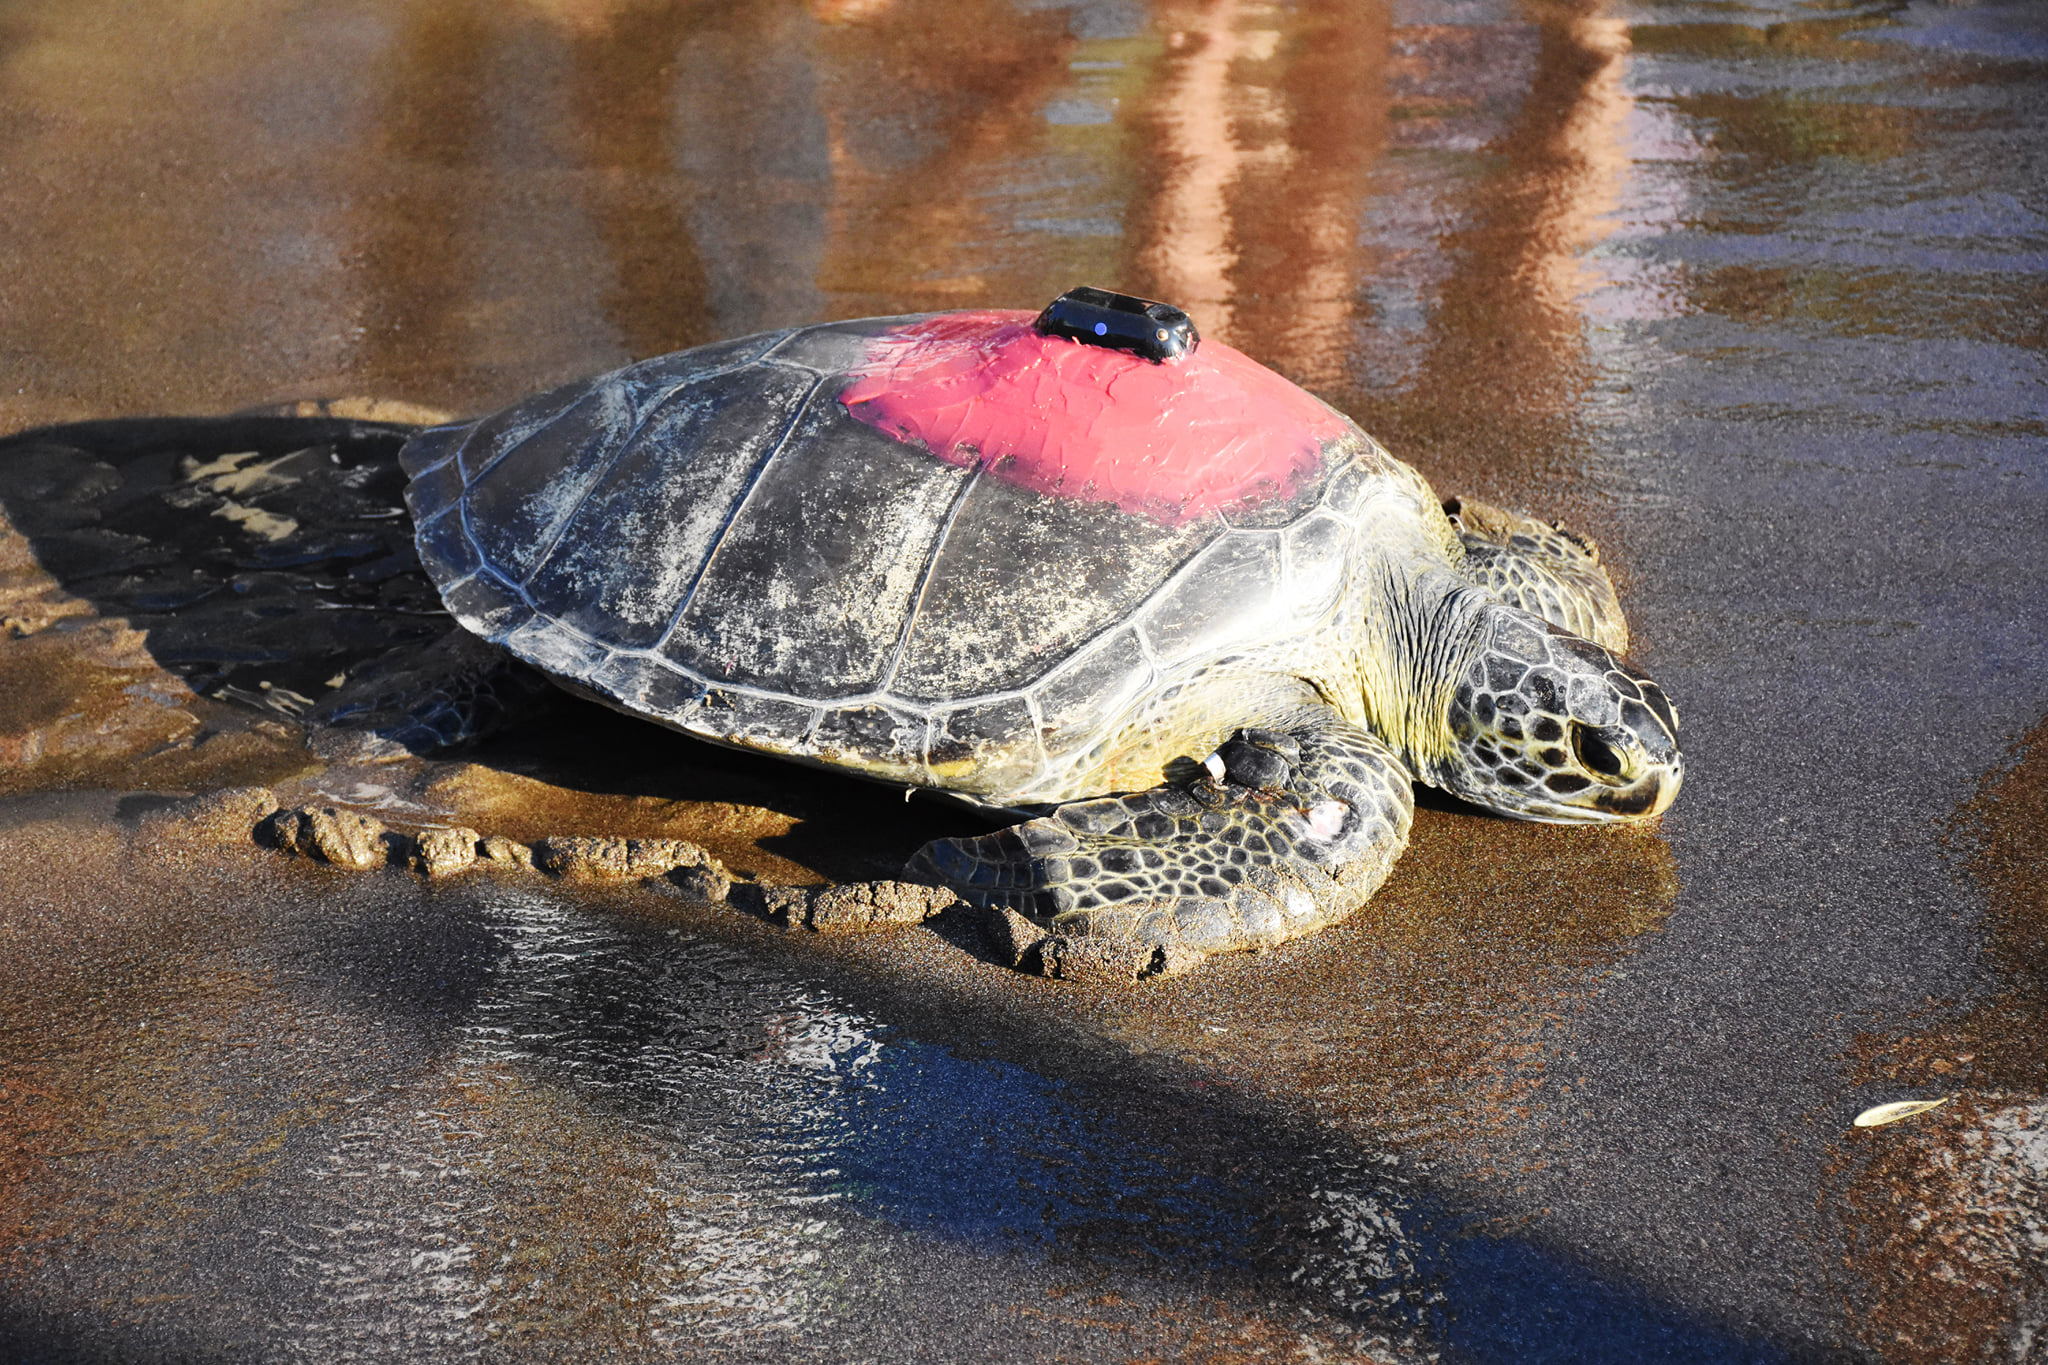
(945,550)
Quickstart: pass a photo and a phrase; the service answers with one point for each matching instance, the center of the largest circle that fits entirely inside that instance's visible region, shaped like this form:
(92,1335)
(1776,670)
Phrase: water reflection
(1839,438)
(713,1147)
(1506,318)
(1263,124)
(625,59)
(946,126)
(1190,248)
(787,1122)
(361,1120)
(595,258)
(868,158)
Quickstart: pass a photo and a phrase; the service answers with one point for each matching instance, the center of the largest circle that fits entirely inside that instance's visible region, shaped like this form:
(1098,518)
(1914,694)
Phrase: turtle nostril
(1596,755)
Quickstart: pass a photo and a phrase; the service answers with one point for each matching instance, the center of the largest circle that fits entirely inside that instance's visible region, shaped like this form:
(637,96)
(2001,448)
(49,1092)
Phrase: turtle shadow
(268,561)
(839,827)
(263,555)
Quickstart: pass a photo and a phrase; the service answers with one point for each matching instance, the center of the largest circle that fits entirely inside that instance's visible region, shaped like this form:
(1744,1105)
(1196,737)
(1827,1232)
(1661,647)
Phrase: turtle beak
(1650,794)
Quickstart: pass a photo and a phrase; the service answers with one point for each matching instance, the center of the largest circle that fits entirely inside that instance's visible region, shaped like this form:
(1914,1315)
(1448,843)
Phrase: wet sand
(1753,298)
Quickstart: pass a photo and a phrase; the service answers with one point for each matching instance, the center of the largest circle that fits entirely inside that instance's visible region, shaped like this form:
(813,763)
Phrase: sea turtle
(1044,564)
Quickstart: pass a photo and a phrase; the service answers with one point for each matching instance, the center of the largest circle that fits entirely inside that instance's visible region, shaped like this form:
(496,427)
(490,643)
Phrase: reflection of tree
(924,108)
(412,218)
(622,75)
(1263,129)
(1496,397)
(436,263)
(749,138)
(1264,132)
(1299,268)
(1189,245)
(737,166)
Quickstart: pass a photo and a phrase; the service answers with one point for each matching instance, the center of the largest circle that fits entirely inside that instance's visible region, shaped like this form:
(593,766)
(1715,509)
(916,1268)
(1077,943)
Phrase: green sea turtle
(1046,565)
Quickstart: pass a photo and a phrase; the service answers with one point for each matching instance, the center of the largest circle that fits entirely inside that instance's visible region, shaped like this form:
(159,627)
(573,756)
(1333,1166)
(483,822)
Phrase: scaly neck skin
(1420,636)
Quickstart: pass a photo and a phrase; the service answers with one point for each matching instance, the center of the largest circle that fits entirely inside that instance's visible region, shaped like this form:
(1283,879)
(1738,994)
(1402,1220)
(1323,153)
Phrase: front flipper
(1286,832)
(1541,568)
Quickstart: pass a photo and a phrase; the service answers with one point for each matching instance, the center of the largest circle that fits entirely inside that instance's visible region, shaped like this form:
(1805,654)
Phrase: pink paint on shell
(1174,442)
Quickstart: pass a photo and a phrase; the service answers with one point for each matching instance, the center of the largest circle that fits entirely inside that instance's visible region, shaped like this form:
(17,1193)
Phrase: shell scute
(487,605)
(485,443)
(809,584)
(752,720)
(870,733)
(1173,442)
(444,546)
(1022,580)
(1080,699)
(518,503)
(665,495)
(1272,506)
(647,685)
(548,647)
(1318,550)
(1187,621)
(739,353)
(833,348)
(1347,488)
(434,489)
(996,740)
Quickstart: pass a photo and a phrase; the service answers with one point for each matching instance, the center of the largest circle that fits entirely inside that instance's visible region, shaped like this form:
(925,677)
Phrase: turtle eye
(1596,755)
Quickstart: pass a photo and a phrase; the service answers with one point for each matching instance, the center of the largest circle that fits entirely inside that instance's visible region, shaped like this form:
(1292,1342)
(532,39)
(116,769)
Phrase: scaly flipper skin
(1288,831)
(1541,568)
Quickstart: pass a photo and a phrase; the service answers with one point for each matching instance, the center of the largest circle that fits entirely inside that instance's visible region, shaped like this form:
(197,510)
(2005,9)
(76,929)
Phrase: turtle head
(1545,725)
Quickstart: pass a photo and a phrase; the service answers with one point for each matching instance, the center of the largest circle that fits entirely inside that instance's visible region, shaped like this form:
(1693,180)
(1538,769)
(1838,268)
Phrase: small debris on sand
(344,838)
(851,907)
(1013,938)
(1085,958)
(359,842)
(496,848)
(677,860)
(874,905)
(1094,959)
(440,852)
(215,815)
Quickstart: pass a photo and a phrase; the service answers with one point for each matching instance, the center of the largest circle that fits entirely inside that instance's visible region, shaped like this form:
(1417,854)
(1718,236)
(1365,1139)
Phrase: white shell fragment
(1896,1110)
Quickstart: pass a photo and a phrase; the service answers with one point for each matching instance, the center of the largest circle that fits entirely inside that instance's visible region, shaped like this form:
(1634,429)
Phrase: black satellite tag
(1120,322)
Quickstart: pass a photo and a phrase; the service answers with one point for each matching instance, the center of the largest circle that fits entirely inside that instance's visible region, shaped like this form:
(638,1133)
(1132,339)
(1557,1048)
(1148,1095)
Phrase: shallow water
(1752,293)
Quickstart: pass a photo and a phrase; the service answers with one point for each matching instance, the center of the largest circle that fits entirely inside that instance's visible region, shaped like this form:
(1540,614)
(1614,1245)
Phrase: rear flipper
(1288,831)
(428,700)
(1541,568)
